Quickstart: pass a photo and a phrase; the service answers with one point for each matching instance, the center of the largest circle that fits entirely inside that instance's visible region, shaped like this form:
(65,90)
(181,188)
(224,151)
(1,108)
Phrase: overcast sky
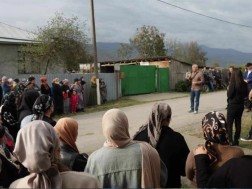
(117,20)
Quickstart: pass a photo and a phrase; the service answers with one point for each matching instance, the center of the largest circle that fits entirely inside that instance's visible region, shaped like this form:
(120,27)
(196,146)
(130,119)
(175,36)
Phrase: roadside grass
(121,102)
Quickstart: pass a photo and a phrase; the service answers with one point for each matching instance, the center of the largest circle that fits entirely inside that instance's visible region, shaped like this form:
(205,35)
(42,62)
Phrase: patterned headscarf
(41,105)
(9,114)
(159,113)
(214,127)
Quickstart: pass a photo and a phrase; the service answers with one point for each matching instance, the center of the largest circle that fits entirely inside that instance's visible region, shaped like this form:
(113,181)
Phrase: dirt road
(90,133)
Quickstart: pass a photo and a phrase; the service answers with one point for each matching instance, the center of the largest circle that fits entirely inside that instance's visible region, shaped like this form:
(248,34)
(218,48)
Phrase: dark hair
(2,131)
(237,81)
(31,78)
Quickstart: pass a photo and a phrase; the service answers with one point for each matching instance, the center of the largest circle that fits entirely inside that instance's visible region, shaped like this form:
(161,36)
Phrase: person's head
(43,79)
(214,127)
(115,128)
(74,92)
(65,82)
(237,78)
(67,130)
(9,100)
(76,81)
(231,69)
(56,80)
(36,148)
(249,66)
(195,68)
(4,79)
(93,80)
(31,79)
(43,106)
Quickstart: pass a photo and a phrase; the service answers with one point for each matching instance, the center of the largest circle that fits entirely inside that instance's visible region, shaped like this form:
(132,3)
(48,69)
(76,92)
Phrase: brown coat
(225,152)
(197,79)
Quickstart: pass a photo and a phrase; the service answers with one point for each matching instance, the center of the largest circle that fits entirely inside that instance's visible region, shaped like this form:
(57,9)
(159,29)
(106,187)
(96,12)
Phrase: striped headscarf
(159,113)
(214,127)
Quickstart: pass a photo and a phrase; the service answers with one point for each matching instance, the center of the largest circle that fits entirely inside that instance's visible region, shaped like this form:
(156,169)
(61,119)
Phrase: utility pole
(95,53)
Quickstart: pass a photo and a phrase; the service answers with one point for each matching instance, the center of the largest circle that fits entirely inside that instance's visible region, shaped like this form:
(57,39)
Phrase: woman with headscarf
(92,99)
(67,130)
(219,151)
(57,97)
(45,88)
(170,145)
(40,158)
(42,110)
(26,104)
(121,162)
(9,114)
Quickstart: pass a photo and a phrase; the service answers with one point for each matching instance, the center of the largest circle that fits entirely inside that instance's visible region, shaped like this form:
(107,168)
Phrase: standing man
(248,79)
(197,79)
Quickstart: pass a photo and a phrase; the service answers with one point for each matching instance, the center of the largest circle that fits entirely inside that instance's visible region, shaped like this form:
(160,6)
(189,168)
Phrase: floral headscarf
(41,105)
(8,111)
(214,127)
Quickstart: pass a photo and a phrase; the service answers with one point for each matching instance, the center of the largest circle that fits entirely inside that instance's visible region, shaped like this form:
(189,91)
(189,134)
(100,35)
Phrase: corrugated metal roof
(11,34)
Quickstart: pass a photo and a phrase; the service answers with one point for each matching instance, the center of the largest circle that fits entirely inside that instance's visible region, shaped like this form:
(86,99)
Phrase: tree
(125,51)
(148,42)
(60,42)
(187,52)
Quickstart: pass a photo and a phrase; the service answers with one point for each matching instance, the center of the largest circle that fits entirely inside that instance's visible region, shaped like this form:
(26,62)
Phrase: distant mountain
(224,57)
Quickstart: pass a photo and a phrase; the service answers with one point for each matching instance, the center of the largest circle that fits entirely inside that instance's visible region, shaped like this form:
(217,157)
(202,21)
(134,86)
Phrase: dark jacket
(236,96)
(248,78)
(235,173)
(72,159)
(173,151)
(45,89)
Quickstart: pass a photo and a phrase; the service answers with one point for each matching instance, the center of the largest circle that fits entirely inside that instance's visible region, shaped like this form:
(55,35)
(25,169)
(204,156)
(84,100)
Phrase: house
(176,69)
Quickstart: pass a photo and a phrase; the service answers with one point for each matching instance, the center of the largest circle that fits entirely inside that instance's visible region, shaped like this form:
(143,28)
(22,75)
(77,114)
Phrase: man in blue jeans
(197,79)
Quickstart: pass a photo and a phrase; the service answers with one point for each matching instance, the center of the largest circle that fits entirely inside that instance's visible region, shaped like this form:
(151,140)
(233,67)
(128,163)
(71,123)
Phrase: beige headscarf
(36,146)
(159,113)
(67,129)
(115,128)
(116,131)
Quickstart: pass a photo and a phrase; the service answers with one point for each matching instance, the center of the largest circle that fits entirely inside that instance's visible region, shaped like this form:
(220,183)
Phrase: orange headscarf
(67,129)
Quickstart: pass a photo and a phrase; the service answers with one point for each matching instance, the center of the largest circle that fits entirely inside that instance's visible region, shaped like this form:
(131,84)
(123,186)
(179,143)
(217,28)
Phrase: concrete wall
(8,59)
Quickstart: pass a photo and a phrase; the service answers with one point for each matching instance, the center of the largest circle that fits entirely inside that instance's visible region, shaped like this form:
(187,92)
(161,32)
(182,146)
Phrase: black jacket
(173,151)
(72,159)
(235,173)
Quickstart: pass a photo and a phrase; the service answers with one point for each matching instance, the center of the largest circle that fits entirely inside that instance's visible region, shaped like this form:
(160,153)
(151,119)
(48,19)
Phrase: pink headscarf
(36,146)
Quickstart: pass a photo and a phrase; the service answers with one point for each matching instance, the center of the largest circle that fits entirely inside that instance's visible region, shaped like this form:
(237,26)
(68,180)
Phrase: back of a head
(36,146)
(42,104)
(115,128)
(67,130)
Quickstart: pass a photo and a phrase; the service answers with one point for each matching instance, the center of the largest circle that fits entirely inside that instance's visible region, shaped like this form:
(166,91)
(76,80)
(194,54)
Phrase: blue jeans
(195,96)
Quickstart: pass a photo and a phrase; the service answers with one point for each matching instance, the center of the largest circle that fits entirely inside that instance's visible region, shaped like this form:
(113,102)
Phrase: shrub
(182,86)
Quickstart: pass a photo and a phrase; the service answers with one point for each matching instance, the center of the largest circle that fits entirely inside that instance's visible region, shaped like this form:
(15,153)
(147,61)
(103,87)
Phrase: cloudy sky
(117,20)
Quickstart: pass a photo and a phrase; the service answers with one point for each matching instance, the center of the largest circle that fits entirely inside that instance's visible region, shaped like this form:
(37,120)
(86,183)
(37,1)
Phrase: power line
(17,28)
(218,19)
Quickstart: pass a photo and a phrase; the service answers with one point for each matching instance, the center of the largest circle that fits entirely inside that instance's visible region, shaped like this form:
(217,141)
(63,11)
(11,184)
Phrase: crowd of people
(37,151)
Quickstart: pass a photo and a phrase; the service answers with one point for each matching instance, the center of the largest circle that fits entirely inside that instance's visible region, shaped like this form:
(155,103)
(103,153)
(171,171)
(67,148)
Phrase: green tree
(187,52)
(149,42)
(60,42)
(125,51)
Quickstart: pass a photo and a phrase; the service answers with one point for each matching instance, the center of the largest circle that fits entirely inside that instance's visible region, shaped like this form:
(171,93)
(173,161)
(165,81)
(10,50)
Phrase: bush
(182,86)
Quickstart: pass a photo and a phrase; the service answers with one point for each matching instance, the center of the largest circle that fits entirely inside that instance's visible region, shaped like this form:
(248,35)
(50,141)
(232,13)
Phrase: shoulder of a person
(72,179)
(20,183)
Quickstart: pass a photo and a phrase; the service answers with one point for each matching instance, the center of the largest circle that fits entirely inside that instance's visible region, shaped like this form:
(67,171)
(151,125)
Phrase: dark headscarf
(9,111)
(41,105)
(28,99)
(159,113)
(214,127)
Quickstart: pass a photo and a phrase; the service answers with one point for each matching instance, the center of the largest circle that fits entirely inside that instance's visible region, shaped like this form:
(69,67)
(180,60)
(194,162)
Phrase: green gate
(138,79)
(163,80)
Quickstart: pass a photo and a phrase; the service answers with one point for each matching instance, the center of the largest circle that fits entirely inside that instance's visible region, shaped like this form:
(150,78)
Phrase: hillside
(225,57)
